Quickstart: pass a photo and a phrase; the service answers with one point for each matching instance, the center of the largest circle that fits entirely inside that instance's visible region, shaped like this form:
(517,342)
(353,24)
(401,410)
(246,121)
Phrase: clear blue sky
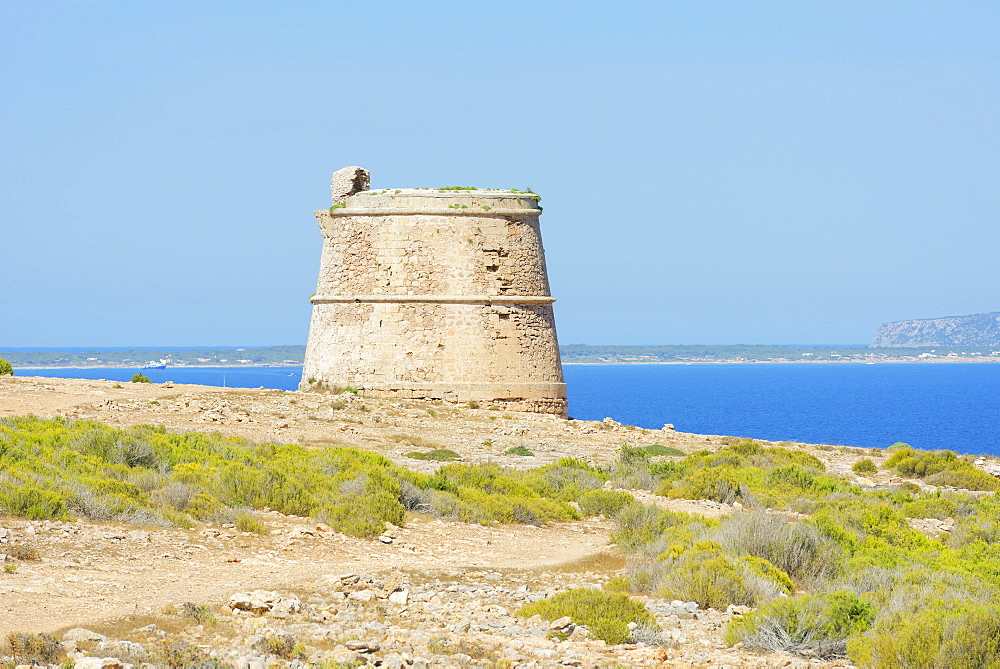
(711,172)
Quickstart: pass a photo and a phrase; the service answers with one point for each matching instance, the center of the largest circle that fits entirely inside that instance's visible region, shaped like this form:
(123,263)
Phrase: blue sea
(955,406)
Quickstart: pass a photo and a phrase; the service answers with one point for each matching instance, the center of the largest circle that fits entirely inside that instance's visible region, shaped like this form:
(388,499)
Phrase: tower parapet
(435,293)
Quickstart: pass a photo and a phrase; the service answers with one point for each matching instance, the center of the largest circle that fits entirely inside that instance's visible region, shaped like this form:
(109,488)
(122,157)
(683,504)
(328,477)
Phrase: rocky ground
(432,593)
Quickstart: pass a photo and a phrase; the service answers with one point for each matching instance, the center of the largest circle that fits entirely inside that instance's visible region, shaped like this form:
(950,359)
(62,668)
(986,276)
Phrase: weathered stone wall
(439,294)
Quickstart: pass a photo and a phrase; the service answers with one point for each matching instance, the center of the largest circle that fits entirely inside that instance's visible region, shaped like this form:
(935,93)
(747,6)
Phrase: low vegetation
(140,378)
(437,455)
(58,469)
(34,649)
(657,449)
(605,614)
(864,467)
(940,468)
(833,570)
(6,369)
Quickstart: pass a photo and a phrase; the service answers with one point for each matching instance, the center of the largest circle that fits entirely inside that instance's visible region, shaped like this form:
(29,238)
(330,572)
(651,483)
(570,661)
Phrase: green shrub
(657,449)
(285,646)
(797,548)
(606,614)
(765,569)
(639,525)
(34,649)
(147,475)
(28,501)
(5,368)
(567,479)
(724,483)
(815,625)
(930,507)
(140,378)
(941,468)
(939,634)
(793,475)
(668,470)
(967,477)
(362,515)
(181,654)
(248,522)
(604,502)
(980,522)
(519,450)
(864,467)
(199,612)
(706,575)
(437,455)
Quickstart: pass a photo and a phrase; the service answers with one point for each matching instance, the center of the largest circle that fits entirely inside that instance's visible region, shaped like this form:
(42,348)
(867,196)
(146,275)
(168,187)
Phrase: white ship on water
(153,364)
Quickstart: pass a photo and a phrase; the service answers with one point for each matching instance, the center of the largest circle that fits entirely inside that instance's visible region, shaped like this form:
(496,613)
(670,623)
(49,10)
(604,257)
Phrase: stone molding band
(440,299)
(433,212)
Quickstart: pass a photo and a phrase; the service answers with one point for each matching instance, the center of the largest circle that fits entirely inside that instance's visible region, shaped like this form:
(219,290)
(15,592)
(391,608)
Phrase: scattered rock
(80,634)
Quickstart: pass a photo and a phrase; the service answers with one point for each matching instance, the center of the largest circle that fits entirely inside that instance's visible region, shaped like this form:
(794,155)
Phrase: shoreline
(140,369)
(880,361)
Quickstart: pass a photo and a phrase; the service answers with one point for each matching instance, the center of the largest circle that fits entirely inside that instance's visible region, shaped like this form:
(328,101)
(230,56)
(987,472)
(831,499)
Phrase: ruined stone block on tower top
(348,181)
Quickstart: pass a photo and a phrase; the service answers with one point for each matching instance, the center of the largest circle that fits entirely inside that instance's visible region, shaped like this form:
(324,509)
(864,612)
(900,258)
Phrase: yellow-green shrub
(723,483)
(817,625)
(248,522)
(50,467)
(939,634)
(362,515)
(864,467)
(707,575)
(941,468)
(34,649)
(638,524)
(604,502)
(798,548)
(606,614)
(765,569)
(30,502)
(967,477)
(930,507)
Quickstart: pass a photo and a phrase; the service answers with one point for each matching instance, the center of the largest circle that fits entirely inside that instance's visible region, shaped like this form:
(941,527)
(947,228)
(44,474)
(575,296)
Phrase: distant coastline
(880,361)
(200,366)
(572,354)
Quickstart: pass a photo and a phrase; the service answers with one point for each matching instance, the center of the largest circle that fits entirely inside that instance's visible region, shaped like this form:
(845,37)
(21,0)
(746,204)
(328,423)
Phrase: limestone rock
(100,663)
(81,634)
(392,583)
(348,181)
(561,623)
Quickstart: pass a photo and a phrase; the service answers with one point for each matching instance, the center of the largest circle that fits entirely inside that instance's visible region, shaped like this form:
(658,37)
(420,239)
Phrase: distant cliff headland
(981,330)
(571,354)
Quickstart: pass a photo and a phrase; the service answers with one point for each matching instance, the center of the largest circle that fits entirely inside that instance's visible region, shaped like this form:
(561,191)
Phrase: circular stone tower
(434,293)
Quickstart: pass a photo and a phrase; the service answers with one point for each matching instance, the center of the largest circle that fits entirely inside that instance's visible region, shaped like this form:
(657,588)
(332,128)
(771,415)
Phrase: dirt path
(87,572)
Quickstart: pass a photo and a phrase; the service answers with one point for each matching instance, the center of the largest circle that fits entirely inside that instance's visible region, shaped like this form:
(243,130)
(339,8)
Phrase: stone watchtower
(434,293)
